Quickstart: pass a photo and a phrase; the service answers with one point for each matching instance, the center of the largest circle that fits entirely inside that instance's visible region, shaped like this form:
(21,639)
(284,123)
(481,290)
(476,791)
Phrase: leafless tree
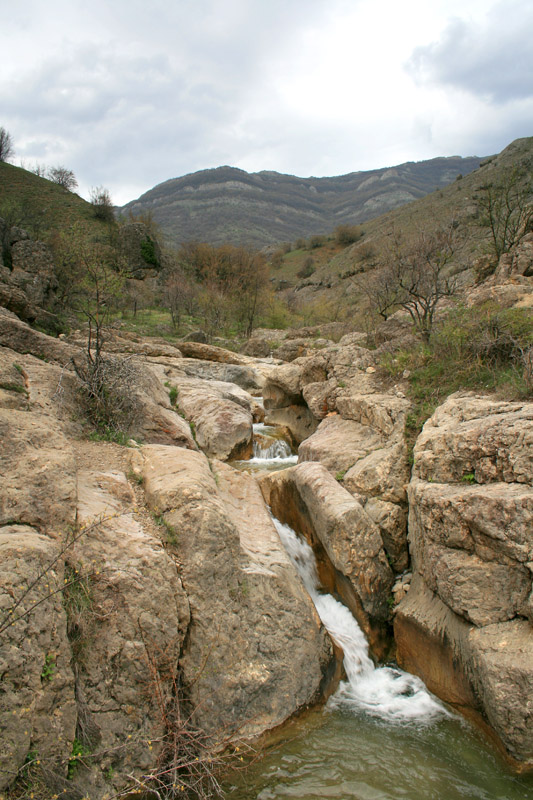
(100,200)
(7,150)
(418,270)
(507,209)
(63,176)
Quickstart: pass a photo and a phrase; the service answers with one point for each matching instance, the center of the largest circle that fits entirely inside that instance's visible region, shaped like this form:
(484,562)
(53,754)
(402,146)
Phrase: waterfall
(279,448)
(384,692)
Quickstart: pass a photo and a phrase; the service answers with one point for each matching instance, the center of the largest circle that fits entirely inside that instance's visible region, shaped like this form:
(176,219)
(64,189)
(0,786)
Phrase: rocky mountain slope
(264,208)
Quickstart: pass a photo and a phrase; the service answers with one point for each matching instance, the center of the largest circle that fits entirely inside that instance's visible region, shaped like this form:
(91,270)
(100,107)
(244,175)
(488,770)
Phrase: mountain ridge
(222,204)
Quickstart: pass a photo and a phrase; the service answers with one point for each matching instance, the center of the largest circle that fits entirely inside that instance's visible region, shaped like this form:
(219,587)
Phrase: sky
(130,93)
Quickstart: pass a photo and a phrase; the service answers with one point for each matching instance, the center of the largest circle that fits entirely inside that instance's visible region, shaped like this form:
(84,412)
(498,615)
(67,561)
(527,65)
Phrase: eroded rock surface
(471,536)
(309,499)
(255,649)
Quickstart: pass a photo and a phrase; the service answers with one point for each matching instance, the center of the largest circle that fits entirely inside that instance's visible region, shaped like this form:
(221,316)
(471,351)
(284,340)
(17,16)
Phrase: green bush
(149,252)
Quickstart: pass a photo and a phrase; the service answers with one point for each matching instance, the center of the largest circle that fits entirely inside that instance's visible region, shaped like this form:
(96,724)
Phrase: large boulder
(244,670)
(127,637)
(471,537)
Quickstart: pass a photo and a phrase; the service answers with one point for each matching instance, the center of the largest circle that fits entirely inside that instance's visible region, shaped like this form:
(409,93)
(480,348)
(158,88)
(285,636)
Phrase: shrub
(348,234)
(316,241)
(307,269)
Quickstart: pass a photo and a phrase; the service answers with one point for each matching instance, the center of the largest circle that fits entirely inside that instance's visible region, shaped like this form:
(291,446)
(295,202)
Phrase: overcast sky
(129,93)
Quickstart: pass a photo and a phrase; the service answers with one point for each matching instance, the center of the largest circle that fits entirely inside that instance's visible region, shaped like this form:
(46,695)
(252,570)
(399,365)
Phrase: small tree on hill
(100,200)
(7,150)
(63,176)
(419,275)
(507,210)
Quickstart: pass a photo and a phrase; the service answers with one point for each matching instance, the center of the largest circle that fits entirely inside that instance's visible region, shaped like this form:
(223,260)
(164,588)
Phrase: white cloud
(129,94)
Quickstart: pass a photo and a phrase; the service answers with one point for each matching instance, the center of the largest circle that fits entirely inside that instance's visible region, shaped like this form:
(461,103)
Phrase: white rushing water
(383,691)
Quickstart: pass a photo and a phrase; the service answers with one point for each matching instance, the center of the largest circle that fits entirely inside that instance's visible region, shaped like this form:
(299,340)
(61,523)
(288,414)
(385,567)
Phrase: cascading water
(385,737)
(384,692)
(270,450)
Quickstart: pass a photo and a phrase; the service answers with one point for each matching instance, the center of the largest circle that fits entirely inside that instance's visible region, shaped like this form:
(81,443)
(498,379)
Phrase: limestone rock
(38,485)
(208,352)
(294,348)
(487,670)
(137,619)
(283,387)
(339,443)
(223,428)
(467,435)
(503,679)
(299,420)
(347,543)
(37,705)
(391,520)
(18,336)
(349,536)
(255,650)
(472,544)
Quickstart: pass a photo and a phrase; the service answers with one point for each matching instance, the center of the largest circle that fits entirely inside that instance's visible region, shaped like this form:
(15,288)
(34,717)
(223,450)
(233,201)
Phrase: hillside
(40,205)
(335,267)
(265,208)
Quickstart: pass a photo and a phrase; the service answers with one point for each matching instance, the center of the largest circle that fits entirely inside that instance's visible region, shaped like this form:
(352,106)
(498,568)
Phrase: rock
(471,537)
(487,439)
(472,544)
(391,520)
(129,636)
(259,348)
(486,670)
(320,397)
(18,336)
(300,421)
(208,352)
(223,427)
(245,671)
(282,387)
(38,486)
(338,444)
(248,377)
(37,704)
(503,680)
(196,336)
(294,348)
(316,505)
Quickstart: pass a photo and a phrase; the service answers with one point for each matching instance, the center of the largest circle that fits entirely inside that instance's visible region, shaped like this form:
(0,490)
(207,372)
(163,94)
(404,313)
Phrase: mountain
(265,208)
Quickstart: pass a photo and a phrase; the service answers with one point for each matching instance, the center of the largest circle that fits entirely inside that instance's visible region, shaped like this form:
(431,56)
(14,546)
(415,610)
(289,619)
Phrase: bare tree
(63,176)
(507,209)
(179,294)
(380,286)
(7,150)
(418,269)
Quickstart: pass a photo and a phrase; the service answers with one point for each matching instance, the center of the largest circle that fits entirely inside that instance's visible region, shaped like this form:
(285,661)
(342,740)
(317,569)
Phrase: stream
(382,735)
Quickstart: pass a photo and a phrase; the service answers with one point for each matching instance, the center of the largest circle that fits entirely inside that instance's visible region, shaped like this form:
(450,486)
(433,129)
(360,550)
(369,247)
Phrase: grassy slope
(335,265)
(47,207)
